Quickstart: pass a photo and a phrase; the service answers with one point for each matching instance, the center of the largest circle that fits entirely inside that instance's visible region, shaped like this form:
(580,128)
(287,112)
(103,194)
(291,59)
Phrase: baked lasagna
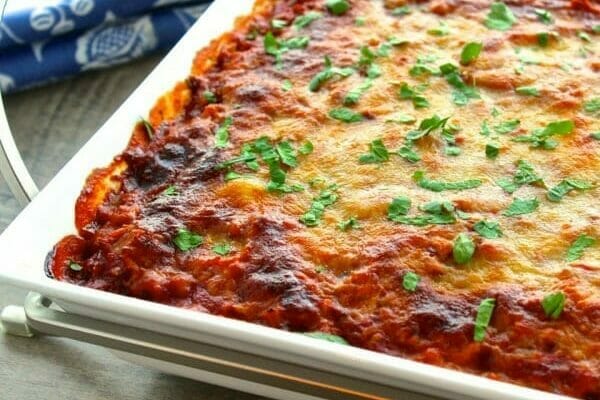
(418,179)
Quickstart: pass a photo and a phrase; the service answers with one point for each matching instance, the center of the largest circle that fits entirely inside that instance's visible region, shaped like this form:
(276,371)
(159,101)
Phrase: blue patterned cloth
(47,40)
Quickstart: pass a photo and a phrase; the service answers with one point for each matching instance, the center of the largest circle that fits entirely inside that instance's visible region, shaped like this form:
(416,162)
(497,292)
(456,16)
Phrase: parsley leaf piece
(186,240)
(421,67)
(544,15)
(500,17)
(559,191)
(402,119)
(521,206)
(337,7)
(360,21)
(287,85)
(222,249)
(287,154)
(328,73)
(345,115)
(378,153)
(410,281)
(170,191)
(313,216)
(483,318)
(427,126)
(409,154)
(403,10)
(306,148)
(439,186)
(553,304)
(231,175)
(437,207)
(463,249)
(398,207)
(506,126)
(488,229)
(485,129)
(209,96)
(525,175)
(592,106)
(441,30)
(575,251)
(541,137)
(350,223)
(595,135)
(584,36)
(528,91)
(492,150)
(278,23)
(470,52)
(355,94)
(302,21)
(222,133)
(462,92)
(276,48)
(543,38)
(596,28)
(418,100)
(148,127)
(73,266)
(386,47)
(327,337)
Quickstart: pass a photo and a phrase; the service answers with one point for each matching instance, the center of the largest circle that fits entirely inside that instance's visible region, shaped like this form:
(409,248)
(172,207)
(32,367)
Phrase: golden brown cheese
(262,259)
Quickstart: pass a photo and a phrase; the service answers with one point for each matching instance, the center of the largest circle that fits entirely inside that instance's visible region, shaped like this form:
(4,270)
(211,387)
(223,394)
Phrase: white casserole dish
(26,242)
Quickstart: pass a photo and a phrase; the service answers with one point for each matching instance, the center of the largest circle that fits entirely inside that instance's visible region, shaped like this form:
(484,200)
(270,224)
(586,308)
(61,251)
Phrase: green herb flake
(592,106)
(463,249)
(410,281)
(337,7)
(399,206)
(222,133)
(209,96)
(402,119)
(506,126)
(500,17)
(186,240)
(462,92)
(378,153)
(544,15)
(73,266)
(222,249)
(276,48)
(470,52)
(408,93)
(313,216)
(521,206)
(492,150)
(575,251)
(170,191)
(543,38)
(287,85)
(360,21)
(483,318)
(528,91)
(278,24)
(559,191)
(231,176)
(356,93)
(540,138)
(345,115)
(302,21)
(584,36)
(488,229)
(409,154)
(403,10)
(328,73)
(439,186)
(327,337)
(441,30)
(306,148)
(148,128)
(524,175)
(553,304)
(595,135)
(348,224)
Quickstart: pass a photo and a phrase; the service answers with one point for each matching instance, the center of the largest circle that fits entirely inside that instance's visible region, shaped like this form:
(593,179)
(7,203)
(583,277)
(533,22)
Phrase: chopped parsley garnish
(170,191)
(306,148)
(328,73)
(528,91)
(553,304)
(506,126)
(525,175)
(302,21)
(584,36)
(209,96)
(73,266)
(410,281)
(231,175)
(422,67)
(408,154)
(350,223)
(414,94)
(543,38)
(521,206)
(378,153)
(148,127)
(287,85)
(540,138)
(441,30)
(470,52)
(427,126)
(559,191)
(287,154)
(402,119)
(327,337)
(313,216)
(276,48)
(500,17)
(403,10)
(438,207)
(186,240)
(386,47)
(337,7)
(595,135)
(596,28)
(483,318)
(462,92)
(592,106)
(345,115)
(222,249)
(492,150)
(438,186)
(399,206)
(355,94)
(360,21)
(222,133)
(278,23)
(488,229)
(544,15)
(575,251)
(463,249)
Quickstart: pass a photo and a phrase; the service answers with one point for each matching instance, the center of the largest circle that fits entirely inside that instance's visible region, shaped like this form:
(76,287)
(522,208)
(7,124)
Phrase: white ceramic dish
(26,242)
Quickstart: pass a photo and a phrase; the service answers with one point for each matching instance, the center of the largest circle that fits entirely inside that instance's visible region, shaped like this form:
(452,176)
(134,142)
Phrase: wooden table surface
(50,124)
